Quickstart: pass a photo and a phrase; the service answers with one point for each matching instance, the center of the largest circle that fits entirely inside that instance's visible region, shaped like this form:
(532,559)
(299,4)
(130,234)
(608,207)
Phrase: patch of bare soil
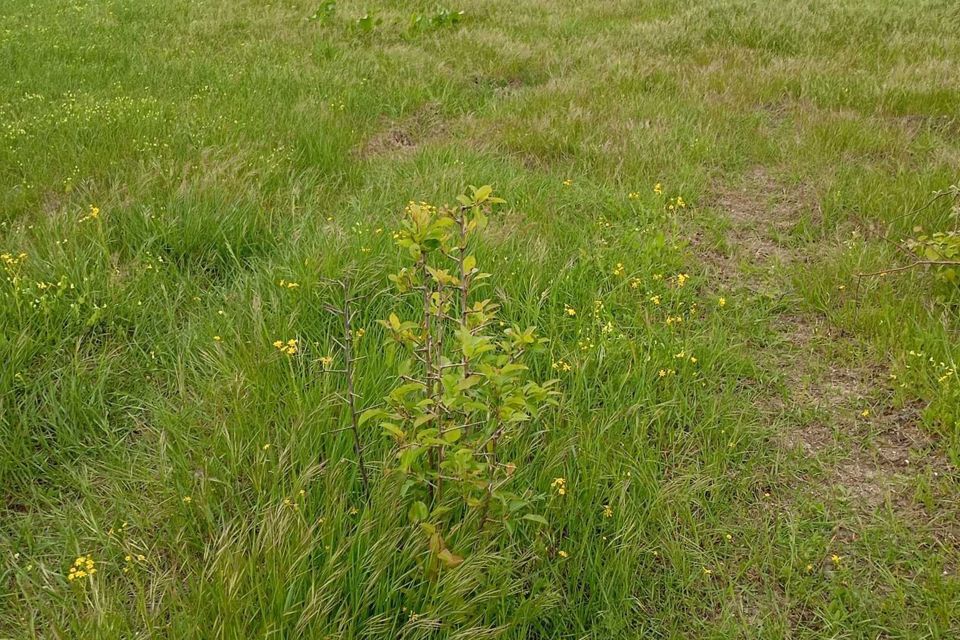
(848,418)
(759,211)
(405,134)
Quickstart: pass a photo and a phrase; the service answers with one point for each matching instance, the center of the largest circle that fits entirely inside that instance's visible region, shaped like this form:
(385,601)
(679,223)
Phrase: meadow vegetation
(646,395)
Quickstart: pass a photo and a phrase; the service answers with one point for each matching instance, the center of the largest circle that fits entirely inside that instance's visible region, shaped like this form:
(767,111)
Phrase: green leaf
(418,511)
(469,264)
(482,193)
(532,517)
(393,430)
(425,418)
(369,414)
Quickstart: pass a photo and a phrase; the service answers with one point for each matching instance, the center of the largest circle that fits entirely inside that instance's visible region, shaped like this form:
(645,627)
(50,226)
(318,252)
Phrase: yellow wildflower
(560,484)
(658,189)
(289,347)
(83,567)
(92,214)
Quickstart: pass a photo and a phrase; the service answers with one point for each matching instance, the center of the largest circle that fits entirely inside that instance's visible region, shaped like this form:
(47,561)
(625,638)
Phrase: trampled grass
(752,445)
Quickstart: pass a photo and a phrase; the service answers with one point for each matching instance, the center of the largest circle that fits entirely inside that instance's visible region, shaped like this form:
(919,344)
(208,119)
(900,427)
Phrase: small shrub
(463,387)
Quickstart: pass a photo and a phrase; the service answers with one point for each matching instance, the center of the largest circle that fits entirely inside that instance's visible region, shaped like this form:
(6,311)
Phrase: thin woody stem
(428,374)
(351,396)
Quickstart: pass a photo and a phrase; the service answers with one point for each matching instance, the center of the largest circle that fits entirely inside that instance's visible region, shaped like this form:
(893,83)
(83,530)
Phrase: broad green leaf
(532,517)
(393,430)
(369,414)
(418,511)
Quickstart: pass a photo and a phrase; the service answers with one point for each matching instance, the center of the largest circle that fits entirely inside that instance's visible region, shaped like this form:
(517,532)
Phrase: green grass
(231,144)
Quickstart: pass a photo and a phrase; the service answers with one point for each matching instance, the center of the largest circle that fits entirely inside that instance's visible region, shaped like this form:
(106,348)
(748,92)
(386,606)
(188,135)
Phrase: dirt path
(835,403)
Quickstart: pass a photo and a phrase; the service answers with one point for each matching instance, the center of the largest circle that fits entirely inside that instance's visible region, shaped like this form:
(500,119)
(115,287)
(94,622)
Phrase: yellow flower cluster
(289,347)
(570,311)
(658,189)
(326,361)
(92,214)
(607,511)
(10,261)
(288,284)
(618,270)
(597,308)
(560,485)
(128,559)
(682,280)
(677,203)
(562,365)
(83,567)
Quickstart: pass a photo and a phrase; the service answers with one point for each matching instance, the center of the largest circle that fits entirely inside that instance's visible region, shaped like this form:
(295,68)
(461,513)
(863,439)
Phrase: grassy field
(753,441)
